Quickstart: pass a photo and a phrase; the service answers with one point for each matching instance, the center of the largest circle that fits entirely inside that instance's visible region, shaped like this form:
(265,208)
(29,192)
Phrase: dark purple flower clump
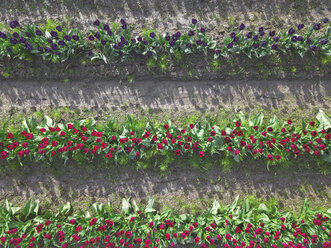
(242,26)
(178,34)
(249,35)
(308,41)
(217,51)
(103,42)
(236,39)
(263,43)
(106,27)
(124,26)
(67,37)
(194,21)
(123,21)
(188,45)
(133,41)
(96,22)
(14,24)
(53,46)
(145,42)
(47,50)
(28,46)
(53,34)
(75,37)
(91,37)
(301,26)
(324,41)
(149,53)
(204,44)
(272,33)
(172,43)
(16,35)
(326,20)
(203,30)
(58,28)
(276,38)
(300,38)
(167,38)
(274,46)
(13,41)
(22,39)
(28,34)
(152,35)
(261,29)
(139,39)
(294,39)
(120,44)
(115,46)
(232,35)
(3,35)
(40,49)
(38,32)
(230,45)
(313,48)
(9,49)
(109,32)
(256,45)
(317,26)
(97,35)
(90,53)
(191,33)
(199,42)
(261,33)
(291,31)
(120,53)
(49,40)
(61,42)
(255,37)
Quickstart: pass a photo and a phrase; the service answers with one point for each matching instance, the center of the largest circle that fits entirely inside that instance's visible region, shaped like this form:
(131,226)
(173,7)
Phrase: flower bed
(61,44)
(241,137)
(223,226)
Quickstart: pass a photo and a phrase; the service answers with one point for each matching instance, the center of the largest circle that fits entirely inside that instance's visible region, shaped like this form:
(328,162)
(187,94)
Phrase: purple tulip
(203,30)
(262,33)
(152,35)
(256,45)
(324,41)
(230,45)
(326,20)
(53,46)
(172,43)
(96,22)
(301,26)
(22,40)
(28,46)
(14,24)
(3,35)
(274,46)
(178,34)
(109,32)
(47,50)
(91,37)
(120,44)
(199,42)
(40,49)
(16,35)
(13,41)
(58,28)
(188,45)
(28,34)
(106,27)
(115,46)
(236,39)
(97,35)
(300,38)
(133,40)
(242,26)
(255,37)
(291,31)
(49,40)
(217,51)
(167,38)
(249,35)
(294,39)
(53,34)
(145,42)
(61,42)
(313,48)
(317,26)
(90,53)
(263,43)
(308,41)
(194,21)
(122,21)
(103,42)
(67,37)
(261,29)
(276,38)
(75,37)
(191,33)
(232,35)
(38,32)
(272,33)
(139,39)
(149,53)
(124,26)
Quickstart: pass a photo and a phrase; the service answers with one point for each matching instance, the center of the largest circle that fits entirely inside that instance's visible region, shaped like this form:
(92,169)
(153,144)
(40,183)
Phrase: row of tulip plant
(235,225)
(241,137)
(104,43)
